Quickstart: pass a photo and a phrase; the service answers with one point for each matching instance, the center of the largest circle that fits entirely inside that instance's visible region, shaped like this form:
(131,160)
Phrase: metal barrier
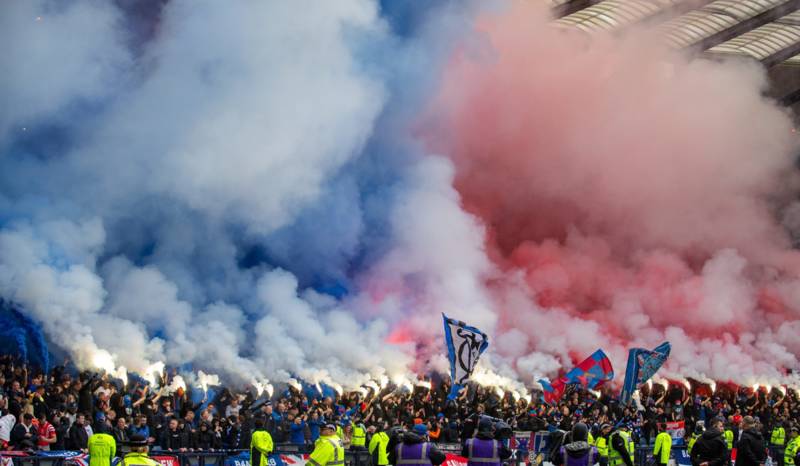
(200,458)
(36,461)
(643,455)
(357,458)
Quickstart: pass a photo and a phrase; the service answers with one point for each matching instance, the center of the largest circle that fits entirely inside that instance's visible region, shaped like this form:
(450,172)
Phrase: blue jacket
(144,431)
(298,434)
(314,427)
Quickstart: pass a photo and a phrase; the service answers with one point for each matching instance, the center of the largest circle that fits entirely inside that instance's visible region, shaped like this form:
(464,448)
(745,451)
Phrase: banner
(591,373)
(243,459)
(527,444)
(170,460)
(465,345)
(71,457)
(642,365)
(682,457)
(7,457)
(676,430)
(521,441)
(454,460)
(60,453)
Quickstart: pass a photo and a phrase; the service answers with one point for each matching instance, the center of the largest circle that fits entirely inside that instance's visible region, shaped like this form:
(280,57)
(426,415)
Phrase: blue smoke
(21,336)
(95,150)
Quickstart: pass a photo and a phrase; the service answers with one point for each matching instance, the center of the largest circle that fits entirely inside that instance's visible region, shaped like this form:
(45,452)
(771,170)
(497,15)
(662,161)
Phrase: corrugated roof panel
(557,3)
(613,14)
(713,18)
(761,43)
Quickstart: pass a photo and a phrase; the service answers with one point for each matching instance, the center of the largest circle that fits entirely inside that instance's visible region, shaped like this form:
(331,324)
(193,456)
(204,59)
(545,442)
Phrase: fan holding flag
(465,344)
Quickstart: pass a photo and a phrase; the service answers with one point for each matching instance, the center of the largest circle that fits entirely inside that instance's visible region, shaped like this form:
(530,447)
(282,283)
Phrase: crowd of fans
(60,410)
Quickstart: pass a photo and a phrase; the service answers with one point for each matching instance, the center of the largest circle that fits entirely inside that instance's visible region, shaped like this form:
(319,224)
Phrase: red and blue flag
(591,373)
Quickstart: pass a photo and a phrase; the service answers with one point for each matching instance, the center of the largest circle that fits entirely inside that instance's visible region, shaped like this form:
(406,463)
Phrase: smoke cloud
(208,194)
(631,196)
(297,191)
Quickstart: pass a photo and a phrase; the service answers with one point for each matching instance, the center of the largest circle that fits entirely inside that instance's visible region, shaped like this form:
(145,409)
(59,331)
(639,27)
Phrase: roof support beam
(747,25)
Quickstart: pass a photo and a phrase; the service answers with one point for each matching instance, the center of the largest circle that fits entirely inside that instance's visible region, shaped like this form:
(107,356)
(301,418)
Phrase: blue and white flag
(642,364)
(465,345)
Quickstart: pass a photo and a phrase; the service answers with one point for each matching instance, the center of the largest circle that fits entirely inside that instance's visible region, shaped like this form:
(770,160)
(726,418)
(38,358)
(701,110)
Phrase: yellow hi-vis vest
(359,438)
(591,439)
(728,438)
(328,451)
(778,436)
(662,448)
(380,441)
(614,456)
(692,440)
(601,443)
(138,459)
(102,449)
(260,448)
(791,451)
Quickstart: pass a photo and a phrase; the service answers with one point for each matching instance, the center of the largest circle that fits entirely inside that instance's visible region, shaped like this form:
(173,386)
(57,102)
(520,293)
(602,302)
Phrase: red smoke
(624,185)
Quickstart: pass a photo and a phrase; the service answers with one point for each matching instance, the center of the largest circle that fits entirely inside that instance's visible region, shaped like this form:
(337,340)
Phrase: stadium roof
(764,30)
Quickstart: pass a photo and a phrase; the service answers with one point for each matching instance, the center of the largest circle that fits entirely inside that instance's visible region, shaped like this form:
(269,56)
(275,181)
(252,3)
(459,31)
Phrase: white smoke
(212,177)
(56,54)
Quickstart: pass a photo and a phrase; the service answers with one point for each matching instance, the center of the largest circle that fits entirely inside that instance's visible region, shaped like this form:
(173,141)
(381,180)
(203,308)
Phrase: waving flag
(642,364)
(593,372)
(465,345)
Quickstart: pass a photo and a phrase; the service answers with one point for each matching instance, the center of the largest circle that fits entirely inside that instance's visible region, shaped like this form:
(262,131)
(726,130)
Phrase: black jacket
(62,435)
(711,448)
(751,449)
(575,450)
(85,400)
(174,440)
(78,437)
(434,454)
(206,440)
(120,435)
(233,437)
(18,439)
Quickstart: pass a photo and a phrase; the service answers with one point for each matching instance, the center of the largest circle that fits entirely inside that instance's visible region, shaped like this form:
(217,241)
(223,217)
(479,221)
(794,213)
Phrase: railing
(196,458)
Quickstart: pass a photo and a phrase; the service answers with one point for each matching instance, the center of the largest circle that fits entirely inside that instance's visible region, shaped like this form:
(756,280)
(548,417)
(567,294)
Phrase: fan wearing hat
(415,450)
(578,452)
(601,443)
(699,428)
(328,449)
(620,451)
(138,454)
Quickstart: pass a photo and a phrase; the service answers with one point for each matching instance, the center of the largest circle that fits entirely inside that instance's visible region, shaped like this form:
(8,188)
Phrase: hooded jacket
(576,450)
(711,448)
